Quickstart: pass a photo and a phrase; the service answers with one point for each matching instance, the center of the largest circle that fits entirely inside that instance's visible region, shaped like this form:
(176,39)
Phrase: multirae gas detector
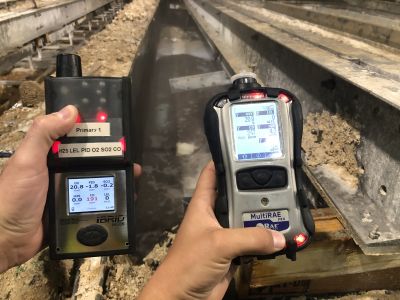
(90,197)
(254,134)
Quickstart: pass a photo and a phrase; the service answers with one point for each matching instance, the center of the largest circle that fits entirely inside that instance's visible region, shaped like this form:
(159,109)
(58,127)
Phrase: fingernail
(279,240)
(65,113)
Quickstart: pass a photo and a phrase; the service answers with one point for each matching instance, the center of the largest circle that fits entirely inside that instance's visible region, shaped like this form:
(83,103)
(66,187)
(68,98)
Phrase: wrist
(17,246)
(9,249)
(5,260)
(164,284)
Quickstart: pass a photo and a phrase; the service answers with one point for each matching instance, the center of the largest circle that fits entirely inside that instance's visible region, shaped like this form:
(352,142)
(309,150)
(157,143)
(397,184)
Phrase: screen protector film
(256,131)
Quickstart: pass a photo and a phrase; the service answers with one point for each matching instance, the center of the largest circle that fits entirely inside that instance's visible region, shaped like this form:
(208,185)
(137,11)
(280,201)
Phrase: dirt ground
(41,278)
(127,278)
(330,140)
(110,52)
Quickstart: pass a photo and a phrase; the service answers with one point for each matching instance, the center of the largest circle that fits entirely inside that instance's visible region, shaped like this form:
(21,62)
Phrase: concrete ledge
(384,6)
(380,29)
(7,61)
(22,28)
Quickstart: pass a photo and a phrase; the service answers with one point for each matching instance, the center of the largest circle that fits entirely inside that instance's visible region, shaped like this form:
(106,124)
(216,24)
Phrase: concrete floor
(174,147)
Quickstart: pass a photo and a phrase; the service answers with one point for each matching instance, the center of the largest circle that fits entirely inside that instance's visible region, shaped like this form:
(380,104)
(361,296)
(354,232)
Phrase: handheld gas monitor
(254,134)
(90,196)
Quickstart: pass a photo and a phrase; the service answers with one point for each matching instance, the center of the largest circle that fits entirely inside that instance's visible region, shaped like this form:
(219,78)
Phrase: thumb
(43,132)
(205,193)
(252,241)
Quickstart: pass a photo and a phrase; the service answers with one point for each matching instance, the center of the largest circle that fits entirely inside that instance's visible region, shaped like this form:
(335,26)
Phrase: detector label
(274,219)
(90,129)
(90,150)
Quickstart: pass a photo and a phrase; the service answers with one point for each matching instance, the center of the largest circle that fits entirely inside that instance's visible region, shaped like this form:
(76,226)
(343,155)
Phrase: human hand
(198,265)
(23,188)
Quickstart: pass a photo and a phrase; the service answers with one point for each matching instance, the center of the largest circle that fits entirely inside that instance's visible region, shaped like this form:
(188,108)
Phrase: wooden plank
(376,280)
(332,253)
(327,227)
(333,263)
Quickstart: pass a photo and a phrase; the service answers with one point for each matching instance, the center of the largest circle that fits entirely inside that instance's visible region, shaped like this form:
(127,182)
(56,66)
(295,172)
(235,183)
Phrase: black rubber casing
(117,89)
(211,126)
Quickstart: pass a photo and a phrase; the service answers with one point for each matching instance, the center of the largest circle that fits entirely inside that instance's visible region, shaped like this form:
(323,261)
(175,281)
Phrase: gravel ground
(330,140)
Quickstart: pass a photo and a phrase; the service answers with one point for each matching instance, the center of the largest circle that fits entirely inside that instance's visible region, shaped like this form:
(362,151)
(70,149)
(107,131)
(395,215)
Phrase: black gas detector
(90,197)
(254,134)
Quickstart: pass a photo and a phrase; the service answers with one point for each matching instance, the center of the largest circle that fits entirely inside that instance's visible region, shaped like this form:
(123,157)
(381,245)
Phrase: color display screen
(91,194)
(256,131)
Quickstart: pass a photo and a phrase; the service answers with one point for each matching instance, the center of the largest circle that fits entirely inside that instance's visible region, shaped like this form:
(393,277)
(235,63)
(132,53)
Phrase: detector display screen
(91,194)
(256,131)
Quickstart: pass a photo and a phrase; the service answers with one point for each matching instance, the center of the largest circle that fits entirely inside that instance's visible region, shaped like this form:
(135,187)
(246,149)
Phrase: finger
(43,132)
(205,193)
(251,241)
(137,170)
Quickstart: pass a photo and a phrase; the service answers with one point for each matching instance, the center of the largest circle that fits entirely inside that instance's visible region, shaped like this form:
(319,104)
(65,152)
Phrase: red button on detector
(284,98)
(101,116)
(123,143)
(300,239)
(55,147)
(253,95)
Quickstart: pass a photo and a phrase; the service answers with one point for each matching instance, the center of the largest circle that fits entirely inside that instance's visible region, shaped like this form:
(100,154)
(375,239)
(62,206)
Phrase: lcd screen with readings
(91,194)
(256,131)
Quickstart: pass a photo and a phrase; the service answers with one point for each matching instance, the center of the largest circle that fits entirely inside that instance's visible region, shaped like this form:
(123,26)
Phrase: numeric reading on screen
(91,194)
(256,131)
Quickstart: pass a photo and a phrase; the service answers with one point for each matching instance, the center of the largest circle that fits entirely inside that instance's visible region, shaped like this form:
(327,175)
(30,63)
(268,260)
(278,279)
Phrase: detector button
(270,177)
(279,179)
(92,235)
(244,181)
(261,176)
